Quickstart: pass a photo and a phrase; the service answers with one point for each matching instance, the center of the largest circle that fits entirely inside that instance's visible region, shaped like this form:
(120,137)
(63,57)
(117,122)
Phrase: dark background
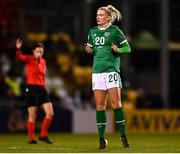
(63,27)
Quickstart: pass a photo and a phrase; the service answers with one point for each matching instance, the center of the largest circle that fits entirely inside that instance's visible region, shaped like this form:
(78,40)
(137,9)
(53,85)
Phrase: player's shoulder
(115,27)
(117,30)
(30,57)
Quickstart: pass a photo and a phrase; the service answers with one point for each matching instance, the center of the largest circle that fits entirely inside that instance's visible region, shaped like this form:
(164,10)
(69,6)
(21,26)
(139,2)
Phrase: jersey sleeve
(123,45)
(120,37)
(22,57)
(89,39)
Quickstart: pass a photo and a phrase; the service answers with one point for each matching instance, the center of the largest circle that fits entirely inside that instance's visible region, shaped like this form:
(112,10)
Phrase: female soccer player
(36,93)
(107,42)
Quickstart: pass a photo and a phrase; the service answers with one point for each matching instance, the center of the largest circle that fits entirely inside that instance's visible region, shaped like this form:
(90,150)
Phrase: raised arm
(19,55)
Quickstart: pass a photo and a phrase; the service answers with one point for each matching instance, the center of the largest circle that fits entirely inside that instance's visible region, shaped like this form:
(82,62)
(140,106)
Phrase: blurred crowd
(69,67)
(68,74)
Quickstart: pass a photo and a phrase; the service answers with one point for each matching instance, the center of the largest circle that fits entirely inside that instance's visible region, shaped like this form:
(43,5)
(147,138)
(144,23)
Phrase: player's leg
(32,107)
(100,99)
(32,114)
(99,89)
(49,113)
(115,96)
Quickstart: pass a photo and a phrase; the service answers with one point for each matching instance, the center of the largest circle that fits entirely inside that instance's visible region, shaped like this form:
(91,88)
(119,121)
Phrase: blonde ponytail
(115,14)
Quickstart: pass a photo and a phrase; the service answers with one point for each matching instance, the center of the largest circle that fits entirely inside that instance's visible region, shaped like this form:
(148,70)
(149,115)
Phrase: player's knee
(32,117)
(116,104)
(100,107)
(50,114)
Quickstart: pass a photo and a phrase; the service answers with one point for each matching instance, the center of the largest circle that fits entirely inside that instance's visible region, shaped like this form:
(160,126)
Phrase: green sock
(101,123)
(120,120)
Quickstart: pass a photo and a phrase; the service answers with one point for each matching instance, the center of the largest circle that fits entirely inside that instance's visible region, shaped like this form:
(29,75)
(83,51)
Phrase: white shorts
(104,81)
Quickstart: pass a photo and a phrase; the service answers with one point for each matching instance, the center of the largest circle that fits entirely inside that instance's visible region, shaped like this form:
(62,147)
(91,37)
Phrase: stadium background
(150,73)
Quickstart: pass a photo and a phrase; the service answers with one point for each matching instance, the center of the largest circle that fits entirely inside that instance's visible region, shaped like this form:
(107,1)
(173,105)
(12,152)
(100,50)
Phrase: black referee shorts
(36,95)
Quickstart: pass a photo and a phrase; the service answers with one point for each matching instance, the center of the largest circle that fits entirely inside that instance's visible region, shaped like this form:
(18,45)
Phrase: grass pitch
(88,143)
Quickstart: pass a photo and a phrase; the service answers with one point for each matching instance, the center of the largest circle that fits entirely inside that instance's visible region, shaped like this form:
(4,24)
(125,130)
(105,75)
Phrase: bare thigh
(115,96)
(100,99)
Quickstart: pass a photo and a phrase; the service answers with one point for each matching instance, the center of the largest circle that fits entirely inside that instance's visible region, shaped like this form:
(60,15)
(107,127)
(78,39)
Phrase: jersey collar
(105,27)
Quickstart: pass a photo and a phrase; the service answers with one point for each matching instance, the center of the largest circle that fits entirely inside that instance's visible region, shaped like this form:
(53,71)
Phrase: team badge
(106,34)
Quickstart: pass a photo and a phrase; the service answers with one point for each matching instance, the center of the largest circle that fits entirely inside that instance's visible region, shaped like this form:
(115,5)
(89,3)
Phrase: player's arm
(88,45)
(125,48)
(123,45)
(19,55)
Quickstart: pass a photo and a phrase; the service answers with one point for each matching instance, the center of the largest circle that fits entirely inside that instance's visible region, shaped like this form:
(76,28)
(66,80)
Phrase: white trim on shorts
(104,81)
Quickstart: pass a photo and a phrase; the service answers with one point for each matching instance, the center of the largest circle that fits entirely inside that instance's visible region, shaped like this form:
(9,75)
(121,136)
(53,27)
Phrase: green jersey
(101,39)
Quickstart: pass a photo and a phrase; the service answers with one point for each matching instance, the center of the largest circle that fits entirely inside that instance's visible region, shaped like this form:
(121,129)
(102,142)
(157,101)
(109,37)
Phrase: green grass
(88,143)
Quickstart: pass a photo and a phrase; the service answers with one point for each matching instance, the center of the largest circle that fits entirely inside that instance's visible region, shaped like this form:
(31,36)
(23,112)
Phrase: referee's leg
(32,114)
(49,113)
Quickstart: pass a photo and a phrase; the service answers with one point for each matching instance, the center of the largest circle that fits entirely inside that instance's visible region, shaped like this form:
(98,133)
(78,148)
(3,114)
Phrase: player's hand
(115,50)
(114,47)
(88,49)
(18,43)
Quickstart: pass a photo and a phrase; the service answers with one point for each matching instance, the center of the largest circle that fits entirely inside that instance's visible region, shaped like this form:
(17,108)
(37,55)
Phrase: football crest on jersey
(106,34)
